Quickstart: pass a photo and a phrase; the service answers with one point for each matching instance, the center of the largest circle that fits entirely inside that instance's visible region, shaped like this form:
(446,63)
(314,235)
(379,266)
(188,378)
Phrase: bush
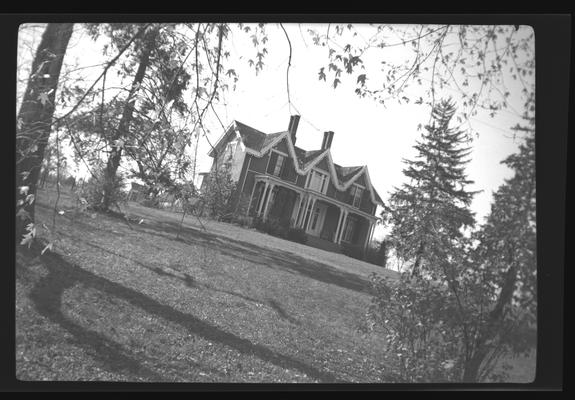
(240,220)
(93,191)
(297,235)
(272,226)
(422,326)
(353,251)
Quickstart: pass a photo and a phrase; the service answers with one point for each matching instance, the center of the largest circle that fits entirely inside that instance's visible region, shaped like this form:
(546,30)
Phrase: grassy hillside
(146,302)
(225,304)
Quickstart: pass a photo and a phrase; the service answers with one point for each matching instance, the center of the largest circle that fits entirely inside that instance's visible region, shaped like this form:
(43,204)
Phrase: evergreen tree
(429,211)
(505,267)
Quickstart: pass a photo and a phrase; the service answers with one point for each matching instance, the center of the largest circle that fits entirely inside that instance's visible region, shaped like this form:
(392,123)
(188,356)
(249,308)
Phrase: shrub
(93,191)
(422,329)
(296,235)
(240,220)
(353,251)
(273,226)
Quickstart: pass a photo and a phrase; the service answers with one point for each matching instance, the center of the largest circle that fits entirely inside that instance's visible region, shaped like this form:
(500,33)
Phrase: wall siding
(323,165)
(282,146)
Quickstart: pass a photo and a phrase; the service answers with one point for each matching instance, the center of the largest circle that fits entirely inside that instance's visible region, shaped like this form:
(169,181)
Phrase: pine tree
(429,211)
(506,267)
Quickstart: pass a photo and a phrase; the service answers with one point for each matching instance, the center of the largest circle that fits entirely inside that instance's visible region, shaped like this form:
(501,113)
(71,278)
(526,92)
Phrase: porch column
(262,199)
(313,201)
(252,198)
(336,235)
(344,224)
(368,236)
(304,211)
(269,200)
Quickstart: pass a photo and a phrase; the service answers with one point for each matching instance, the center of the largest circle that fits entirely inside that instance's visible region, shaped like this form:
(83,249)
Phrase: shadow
(281,312)
(273,258)
(47,295)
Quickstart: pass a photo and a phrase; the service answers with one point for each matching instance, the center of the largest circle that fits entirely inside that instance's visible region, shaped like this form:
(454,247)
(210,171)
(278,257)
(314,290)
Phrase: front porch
(327,223)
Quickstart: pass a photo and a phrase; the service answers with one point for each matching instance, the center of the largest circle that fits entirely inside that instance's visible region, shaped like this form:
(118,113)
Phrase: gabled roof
(258,143)
(307,157)
(345,173)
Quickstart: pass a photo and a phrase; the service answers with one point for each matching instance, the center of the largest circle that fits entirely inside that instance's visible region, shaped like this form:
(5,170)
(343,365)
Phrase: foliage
(35,117)
(423,338)
(94,188)
(217,193)
(377,253)
(272,226)
(430,210)
(296,235)
(479,302)
(481,63)
(353,250)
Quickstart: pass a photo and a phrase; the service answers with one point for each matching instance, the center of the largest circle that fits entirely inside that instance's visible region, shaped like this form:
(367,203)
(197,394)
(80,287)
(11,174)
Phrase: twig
(289,64)
(57,180)
(110,63)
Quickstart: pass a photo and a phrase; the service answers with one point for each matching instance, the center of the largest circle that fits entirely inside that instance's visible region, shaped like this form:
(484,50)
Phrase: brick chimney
(292,127)
(327,139)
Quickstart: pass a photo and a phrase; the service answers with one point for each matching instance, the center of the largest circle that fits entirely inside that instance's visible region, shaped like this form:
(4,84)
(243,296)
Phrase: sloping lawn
(148,302)
(227,304)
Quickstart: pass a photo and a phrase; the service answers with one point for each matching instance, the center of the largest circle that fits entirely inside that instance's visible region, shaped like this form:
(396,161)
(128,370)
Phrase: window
(279,165)
(318,181)
(356,193)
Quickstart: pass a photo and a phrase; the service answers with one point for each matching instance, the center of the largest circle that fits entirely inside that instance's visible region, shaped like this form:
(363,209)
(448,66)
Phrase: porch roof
(279,182)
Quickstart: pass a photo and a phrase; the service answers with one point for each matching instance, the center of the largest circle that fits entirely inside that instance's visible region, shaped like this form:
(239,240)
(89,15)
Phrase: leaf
(43,97)
(361,79)
(27,240)
(321,74)
(30,198)
(336,82)
(23,214)
(24,190)
(49,246)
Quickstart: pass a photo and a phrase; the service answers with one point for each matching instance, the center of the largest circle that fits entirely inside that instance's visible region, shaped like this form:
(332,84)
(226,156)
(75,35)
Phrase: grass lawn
(225,304)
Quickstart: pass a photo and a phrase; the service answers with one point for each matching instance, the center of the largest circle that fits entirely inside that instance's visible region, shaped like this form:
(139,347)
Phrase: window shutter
(272,163)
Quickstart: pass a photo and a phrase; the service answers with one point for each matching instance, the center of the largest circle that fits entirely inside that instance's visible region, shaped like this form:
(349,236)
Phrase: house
(333,204)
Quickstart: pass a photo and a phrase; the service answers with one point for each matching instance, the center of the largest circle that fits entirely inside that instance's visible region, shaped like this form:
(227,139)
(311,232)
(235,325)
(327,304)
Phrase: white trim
(313,193)
(291,150)
(280,152)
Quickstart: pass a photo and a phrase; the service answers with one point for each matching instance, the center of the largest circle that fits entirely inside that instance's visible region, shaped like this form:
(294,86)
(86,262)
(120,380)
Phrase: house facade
(333,204)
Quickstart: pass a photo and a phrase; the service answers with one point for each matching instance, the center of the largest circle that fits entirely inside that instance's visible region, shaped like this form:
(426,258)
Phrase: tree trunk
(418,257)
(35,117)
(123,128)
(471,372)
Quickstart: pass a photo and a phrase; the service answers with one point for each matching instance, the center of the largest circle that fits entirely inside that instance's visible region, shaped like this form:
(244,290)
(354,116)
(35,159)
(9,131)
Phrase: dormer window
(356,192)
(318,181)
(279,165)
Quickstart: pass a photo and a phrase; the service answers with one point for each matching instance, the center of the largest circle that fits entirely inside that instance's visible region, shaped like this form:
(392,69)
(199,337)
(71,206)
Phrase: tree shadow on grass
(192,283)
(274,258)
(47,297)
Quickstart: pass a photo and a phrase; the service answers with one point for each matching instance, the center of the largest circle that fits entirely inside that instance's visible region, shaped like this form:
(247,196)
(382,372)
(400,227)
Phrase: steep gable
(259,144)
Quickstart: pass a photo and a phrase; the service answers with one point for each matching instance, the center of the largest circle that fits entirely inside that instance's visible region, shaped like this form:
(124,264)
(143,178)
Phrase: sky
(366,133)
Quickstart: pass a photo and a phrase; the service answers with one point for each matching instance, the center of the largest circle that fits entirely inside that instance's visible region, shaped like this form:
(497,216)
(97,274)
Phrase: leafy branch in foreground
(478,305)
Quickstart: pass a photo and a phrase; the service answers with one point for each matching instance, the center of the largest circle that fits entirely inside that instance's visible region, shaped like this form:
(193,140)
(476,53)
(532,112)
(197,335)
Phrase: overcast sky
(366,133)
